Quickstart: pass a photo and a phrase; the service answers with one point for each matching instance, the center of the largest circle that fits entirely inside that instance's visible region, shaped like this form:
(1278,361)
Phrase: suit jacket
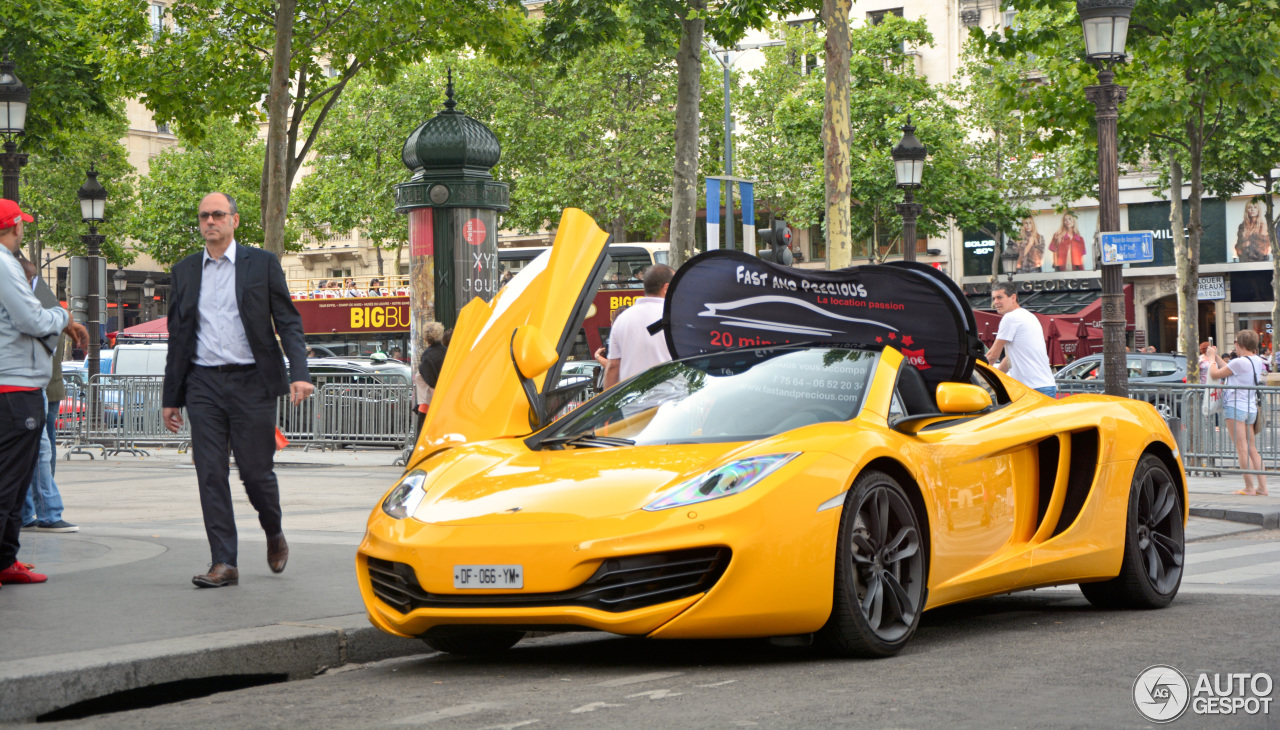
(266,310)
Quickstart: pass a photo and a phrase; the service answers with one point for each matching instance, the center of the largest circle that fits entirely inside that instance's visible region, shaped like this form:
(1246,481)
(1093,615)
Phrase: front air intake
(619,584)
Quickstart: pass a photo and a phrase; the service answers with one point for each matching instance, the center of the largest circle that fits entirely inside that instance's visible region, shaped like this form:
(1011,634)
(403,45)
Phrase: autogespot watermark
(1163,694)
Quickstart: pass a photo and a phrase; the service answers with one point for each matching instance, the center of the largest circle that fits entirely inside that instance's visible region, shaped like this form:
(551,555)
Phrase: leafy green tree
(227,159)
(970,179)
(55,173)
(573,26)
(216,62)
(56,48)
(1196,68)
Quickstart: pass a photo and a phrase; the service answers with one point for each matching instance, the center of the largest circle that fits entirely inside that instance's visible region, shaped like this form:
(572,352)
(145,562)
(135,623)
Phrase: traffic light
(778,239)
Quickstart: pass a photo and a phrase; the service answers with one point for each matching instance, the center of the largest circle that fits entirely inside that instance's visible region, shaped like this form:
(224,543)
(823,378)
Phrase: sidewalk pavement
(119,611)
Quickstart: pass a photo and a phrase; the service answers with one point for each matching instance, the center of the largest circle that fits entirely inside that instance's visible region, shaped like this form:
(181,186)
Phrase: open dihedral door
(724,299)
(481,394)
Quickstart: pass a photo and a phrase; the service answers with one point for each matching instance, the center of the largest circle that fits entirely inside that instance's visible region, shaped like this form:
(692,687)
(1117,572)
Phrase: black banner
(727,299)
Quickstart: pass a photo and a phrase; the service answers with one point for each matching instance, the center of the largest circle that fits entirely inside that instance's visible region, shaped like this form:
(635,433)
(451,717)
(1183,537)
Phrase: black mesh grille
(619,584)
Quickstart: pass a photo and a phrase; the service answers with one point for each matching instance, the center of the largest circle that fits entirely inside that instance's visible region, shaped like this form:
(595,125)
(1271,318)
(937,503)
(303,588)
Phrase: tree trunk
(1187,284)
(275,192)
(836,134)
(618,229)
(1189,276)
(377,251)
(684,186)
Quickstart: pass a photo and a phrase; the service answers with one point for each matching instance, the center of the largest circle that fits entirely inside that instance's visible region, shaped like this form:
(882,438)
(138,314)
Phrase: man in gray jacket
(28,336)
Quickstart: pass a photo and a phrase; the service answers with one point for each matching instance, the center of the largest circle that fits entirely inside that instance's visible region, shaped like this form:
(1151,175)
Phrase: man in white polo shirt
(632,349)
(1021,340)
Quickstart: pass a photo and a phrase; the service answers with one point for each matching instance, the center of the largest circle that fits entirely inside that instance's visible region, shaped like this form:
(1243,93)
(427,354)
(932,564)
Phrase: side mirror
(961,398)
(533,354)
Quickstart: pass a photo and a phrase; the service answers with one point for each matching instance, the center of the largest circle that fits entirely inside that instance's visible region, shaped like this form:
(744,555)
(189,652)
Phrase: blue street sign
(1128,247)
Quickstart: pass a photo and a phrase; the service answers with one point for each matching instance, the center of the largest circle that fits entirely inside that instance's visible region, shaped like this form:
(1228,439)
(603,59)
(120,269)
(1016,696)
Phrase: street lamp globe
(120,280)
(14,96)
(908,158)
(93,199)
(148,288)
(1009,261)
(1106,26)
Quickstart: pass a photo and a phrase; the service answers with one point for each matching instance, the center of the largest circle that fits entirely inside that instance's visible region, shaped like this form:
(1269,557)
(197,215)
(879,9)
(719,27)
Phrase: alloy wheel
(1159,530)
(888,562)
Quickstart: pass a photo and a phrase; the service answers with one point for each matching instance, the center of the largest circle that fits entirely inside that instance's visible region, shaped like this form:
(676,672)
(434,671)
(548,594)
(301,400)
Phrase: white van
(143,358)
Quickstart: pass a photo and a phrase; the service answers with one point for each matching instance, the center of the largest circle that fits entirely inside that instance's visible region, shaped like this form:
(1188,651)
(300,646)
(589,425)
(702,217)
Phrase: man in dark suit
(228,304)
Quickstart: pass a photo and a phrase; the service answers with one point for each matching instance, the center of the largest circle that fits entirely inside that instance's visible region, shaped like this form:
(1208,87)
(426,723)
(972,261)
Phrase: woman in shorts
(1240,407)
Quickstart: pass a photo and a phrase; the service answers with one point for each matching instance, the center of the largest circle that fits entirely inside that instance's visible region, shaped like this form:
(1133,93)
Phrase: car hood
(502,482)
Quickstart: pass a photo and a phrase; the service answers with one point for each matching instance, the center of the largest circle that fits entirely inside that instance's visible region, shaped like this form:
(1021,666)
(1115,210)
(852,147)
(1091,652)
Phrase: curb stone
(37,685)
(1269,519)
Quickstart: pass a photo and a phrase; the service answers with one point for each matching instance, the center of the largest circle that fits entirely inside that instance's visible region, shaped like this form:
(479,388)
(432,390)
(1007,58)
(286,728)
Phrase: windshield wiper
(587,440)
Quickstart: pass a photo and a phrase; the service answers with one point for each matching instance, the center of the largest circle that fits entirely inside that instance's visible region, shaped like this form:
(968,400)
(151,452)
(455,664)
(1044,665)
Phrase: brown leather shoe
(220,574)
(277,553)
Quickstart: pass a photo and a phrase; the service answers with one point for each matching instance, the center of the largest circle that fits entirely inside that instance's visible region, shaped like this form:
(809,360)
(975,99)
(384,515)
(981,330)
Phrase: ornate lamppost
(908,165)
(121,282)
(148,294)
(93,203)
(1106,26)
(13,123)
(1009,261)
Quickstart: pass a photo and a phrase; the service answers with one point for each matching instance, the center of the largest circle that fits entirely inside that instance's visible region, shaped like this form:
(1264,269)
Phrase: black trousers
(232,410)
(21,423)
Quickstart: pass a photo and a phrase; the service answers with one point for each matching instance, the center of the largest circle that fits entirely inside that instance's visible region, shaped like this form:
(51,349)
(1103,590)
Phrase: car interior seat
(917,400)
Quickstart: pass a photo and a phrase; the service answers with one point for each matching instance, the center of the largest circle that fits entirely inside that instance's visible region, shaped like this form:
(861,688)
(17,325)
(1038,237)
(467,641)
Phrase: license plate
(488,576)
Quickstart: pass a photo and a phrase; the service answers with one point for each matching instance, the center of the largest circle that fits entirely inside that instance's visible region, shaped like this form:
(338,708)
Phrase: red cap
(10,213)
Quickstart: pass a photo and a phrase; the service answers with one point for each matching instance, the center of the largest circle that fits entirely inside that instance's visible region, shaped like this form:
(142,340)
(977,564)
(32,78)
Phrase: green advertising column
(452,202)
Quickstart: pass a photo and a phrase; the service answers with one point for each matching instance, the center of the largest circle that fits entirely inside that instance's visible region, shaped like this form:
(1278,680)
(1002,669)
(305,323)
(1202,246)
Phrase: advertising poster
(1056,242)
(724,299)
(475,254)
(1248,240)
(422,277)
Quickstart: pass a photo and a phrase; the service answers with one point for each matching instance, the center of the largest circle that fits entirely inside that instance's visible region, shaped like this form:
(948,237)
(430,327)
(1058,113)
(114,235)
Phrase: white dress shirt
(220,338)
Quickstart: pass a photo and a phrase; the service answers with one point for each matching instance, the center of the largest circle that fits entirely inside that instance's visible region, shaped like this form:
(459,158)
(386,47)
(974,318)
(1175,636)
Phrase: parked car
(1142,368)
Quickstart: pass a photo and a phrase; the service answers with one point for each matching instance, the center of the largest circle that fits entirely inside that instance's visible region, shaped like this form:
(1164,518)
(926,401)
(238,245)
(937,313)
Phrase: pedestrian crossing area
(1233,566)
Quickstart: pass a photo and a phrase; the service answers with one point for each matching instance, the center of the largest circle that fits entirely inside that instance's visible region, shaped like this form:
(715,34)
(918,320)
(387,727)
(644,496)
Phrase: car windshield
(731,396)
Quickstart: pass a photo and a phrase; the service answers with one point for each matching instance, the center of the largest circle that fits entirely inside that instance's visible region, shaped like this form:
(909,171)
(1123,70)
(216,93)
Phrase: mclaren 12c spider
(835,489)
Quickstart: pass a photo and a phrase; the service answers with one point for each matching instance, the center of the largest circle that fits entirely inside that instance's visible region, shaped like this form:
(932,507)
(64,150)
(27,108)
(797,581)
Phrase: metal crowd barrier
(123,413)
(1208,445)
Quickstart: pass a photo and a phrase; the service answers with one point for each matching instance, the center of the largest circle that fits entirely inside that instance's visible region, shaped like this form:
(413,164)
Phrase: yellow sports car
(795,488)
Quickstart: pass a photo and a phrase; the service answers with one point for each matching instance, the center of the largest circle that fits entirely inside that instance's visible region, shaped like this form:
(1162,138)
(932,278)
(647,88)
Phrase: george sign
(345,316)
(1212,287)
(1034,285)
(727,299)
(1128,247)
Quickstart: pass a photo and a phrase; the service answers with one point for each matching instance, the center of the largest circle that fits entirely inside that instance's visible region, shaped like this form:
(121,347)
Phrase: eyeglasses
(217,215)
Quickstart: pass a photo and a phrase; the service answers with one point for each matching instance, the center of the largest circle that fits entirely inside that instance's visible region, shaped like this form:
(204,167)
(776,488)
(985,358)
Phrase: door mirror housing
(961,398)
(532,351)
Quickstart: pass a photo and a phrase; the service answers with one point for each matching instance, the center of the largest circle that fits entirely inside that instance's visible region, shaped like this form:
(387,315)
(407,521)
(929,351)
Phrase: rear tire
(881,571)
(471,640)
(1154,544)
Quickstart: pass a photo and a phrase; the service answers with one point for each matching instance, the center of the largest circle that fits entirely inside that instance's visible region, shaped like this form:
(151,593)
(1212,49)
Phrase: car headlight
(723,481)
(406,496)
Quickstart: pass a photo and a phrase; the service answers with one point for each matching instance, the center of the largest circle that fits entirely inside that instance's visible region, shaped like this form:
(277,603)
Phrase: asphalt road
(1038,659)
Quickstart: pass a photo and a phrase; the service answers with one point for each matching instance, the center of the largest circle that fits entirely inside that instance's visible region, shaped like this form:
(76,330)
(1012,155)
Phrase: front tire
(1154,544)
(881,571)
(471,640)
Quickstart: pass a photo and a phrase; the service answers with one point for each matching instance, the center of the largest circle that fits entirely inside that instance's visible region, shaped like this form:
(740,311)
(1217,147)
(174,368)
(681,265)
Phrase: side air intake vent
(1080,477)
(1050,453)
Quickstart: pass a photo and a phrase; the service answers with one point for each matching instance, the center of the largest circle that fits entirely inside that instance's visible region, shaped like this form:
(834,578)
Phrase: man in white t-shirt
(1021,340)
(632,349)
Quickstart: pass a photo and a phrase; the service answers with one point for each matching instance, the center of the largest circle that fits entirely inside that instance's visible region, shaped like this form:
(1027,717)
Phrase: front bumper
(776,578)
